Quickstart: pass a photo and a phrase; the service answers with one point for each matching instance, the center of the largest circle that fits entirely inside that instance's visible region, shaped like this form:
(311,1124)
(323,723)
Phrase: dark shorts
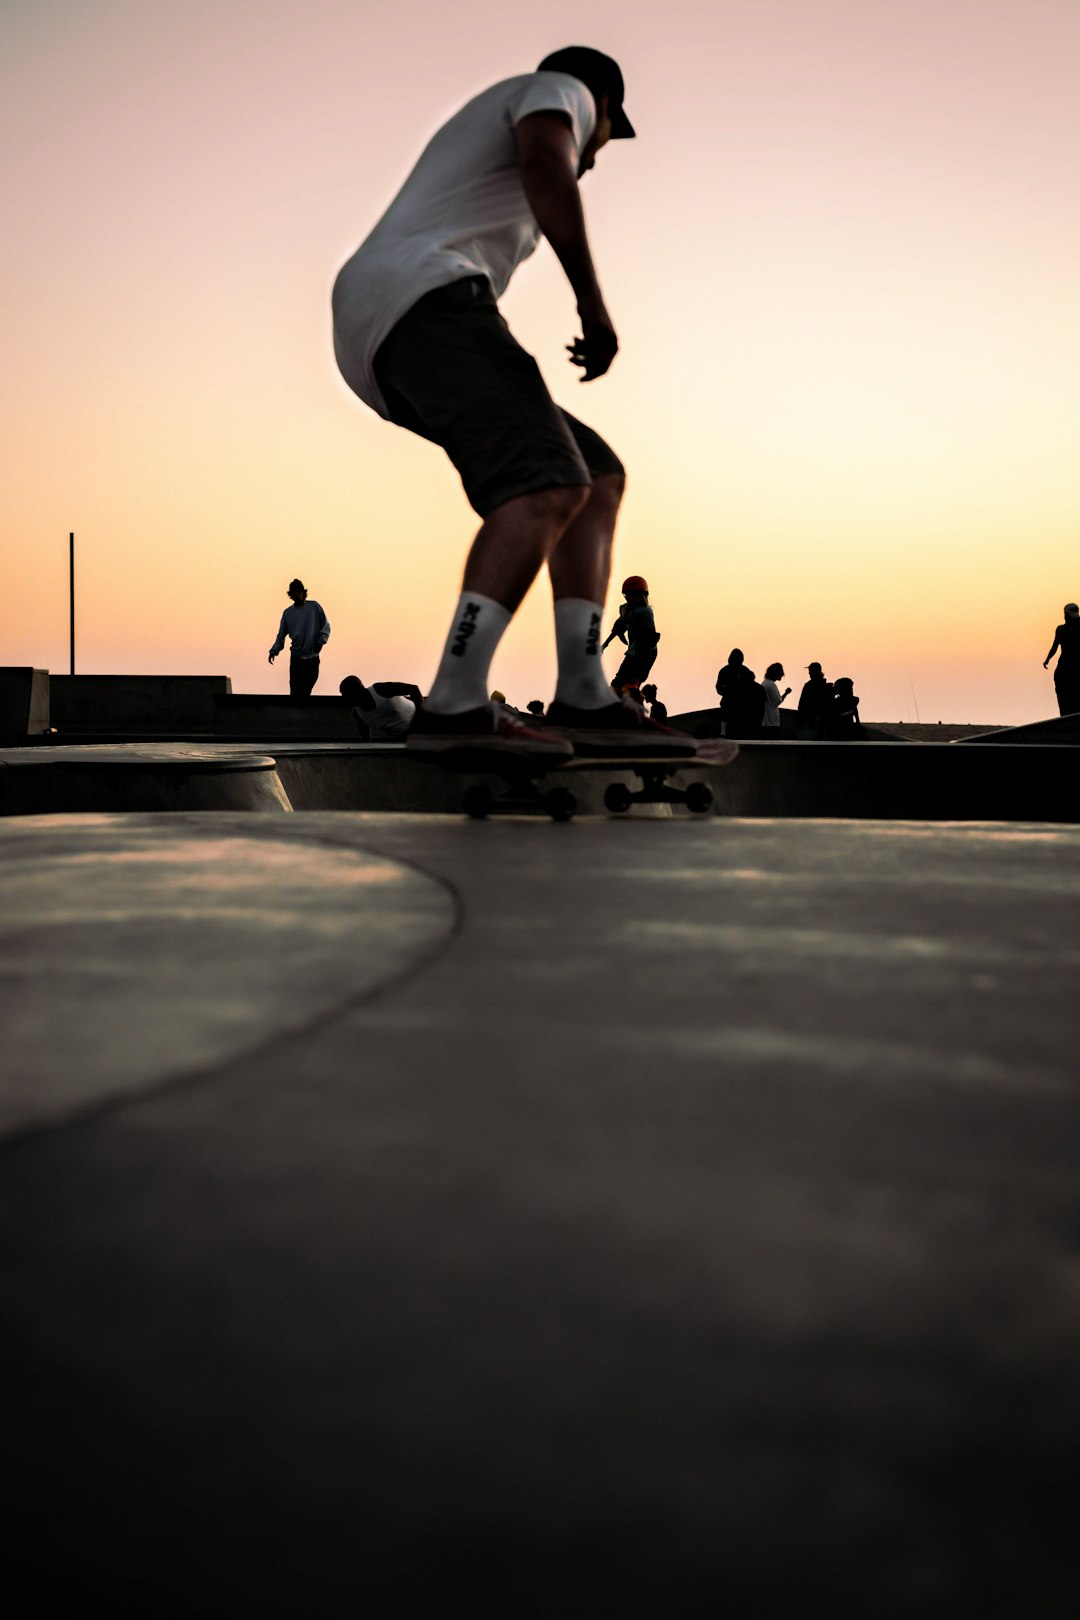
(634,669)
(452,372)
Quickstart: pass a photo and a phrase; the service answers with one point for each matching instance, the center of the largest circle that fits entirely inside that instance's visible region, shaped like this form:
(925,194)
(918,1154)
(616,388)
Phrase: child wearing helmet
(636,628)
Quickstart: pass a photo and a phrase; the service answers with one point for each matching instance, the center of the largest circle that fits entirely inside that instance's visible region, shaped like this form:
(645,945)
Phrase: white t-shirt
(462,212)
(771,717)
(390,719)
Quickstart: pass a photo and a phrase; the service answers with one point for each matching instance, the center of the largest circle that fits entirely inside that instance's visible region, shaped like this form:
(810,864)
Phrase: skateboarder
(636,628)
(419,337)
(383,711)
(1067,669)
(307,625)
(814,701)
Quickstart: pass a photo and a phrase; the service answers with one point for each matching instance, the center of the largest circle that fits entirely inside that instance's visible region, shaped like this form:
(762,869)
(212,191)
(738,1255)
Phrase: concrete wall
(272,717)
(135,705)
(385,777)
(24,702)
(918,782)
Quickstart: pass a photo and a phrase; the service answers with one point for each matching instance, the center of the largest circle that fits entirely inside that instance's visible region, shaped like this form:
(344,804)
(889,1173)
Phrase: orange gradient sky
(842,259)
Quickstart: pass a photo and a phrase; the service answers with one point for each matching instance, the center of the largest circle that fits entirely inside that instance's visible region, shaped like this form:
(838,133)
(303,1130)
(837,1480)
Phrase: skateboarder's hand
(597,347)
(271,657)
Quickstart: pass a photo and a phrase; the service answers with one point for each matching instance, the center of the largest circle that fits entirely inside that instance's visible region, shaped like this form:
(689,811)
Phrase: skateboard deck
(533,785)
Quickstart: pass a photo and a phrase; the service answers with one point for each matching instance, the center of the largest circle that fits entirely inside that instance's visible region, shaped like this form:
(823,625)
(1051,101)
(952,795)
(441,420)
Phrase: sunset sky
(842,257)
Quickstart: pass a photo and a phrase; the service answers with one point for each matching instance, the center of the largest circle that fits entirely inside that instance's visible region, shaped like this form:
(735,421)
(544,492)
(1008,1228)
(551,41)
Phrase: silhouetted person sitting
(770,720)
(842,723)
(1067,668)
(309,629)
(657,710)
(384,711)
(733,683)
(536,709)
(815,701)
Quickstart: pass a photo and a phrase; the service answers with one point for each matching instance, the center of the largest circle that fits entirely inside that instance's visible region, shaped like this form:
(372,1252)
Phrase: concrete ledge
(135,704)
(42,781)
(24,702)
(1059,731)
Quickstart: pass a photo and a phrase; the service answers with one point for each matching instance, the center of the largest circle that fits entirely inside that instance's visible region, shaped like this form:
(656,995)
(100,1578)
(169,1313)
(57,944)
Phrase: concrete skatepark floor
(619,1219)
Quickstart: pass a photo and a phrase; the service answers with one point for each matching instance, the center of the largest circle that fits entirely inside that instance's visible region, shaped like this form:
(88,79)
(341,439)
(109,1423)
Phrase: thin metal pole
(71,595)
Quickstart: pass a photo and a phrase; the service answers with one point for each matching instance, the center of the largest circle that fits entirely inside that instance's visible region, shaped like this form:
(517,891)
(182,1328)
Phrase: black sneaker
(490,731)
(618,729)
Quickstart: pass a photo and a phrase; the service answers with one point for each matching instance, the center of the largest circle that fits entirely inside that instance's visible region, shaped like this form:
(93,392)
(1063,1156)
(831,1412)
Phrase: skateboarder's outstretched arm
(549,174)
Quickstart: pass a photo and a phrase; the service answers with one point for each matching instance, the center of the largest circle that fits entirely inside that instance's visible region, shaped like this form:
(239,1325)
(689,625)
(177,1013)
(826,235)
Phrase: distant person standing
(657,710)
(307,625)
(842,723)
(731,684)
(636,627)
(815,701)
(1067,669)
(770,720)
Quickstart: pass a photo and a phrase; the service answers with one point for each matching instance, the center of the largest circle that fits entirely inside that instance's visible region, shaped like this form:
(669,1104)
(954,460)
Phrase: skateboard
(528,785)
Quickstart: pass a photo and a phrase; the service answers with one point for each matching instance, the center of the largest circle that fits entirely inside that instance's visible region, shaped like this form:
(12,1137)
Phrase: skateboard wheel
(617,798)
(560,804)
(477,801)
(699,798)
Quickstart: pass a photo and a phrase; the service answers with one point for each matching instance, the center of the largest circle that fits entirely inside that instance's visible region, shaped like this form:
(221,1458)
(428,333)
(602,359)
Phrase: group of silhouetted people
(828,711)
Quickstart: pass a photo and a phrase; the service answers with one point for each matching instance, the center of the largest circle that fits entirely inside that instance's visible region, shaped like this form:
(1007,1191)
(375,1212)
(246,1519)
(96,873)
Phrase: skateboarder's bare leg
(579,568)
(513,544)
(581,562)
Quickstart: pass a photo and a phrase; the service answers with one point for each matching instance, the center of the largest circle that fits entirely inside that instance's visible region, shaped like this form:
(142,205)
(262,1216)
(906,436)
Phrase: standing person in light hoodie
(307,625)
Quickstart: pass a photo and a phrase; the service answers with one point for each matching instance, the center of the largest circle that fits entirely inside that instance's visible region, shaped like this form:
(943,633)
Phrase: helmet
(634,582)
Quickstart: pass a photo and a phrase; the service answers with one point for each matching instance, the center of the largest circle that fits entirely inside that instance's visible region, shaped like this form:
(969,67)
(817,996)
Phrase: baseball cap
(811,668)
(599,72)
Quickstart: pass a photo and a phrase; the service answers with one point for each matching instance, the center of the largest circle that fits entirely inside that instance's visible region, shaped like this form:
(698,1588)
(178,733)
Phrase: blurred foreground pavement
(666,1218)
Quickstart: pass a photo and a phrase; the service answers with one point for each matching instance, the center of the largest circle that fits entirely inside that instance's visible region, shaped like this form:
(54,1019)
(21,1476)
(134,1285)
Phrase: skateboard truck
(618,798)
(522,795)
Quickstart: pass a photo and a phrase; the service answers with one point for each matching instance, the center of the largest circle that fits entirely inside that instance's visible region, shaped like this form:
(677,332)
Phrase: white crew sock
(461,681)
(577,640)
